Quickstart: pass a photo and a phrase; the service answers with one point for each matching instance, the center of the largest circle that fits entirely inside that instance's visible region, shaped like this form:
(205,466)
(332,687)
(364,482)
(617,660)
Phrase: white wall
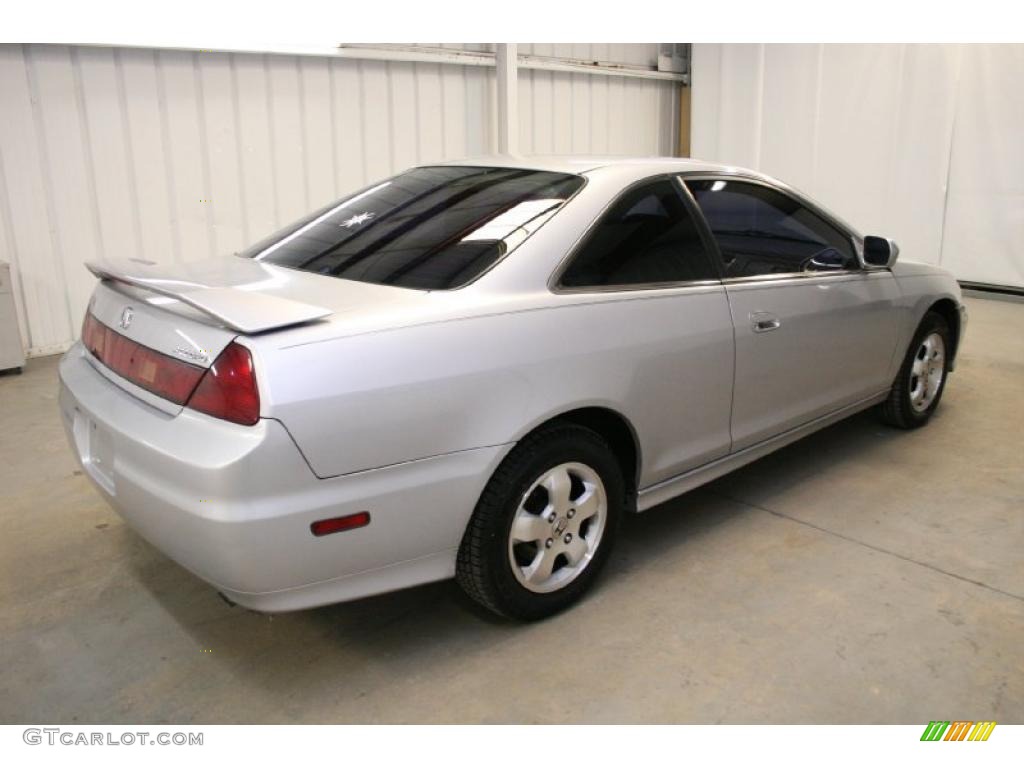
(561,113)
(176,155)
(916,142)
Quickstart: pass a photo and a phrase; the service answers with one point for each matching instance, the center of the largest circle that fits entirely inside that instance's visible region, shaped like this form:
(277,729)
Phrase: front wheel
(922,378)
(544,525)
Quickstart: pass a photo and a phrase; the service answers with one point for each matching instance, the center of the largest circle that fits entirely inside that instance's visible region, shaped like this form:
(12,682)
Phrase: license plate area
(96,449)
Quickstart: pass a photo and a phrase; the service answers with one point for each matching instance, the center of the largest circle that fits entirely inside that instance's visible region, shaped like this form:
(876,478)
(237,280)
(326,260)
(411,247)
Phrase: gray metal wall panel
(562,112)
(174,155)
(915,142)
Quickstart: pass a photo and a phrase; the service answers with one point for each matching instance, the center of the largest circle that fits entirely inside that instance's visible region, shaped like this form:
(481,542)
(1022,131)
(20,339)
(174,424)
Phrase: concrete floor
(863,575)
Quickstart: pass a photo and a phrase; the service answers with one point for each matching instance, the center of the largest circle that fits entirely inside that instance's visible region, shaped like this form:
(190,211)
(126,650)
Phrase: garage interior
(860,575)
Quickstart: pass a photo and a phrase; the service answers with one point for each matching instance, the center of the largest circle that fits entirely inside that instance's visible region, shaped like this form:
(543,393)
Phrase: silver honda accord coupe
(475,369)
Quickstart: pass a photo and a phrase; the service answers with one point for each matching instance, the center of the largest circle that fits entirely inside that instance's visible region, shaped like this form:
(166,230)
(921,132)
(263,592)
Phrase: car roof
(581,164)
(625,170)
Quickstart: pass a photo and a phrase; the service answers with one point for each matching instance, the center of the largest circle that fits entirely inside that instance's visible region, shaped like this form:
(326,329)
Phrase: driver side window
(761,231)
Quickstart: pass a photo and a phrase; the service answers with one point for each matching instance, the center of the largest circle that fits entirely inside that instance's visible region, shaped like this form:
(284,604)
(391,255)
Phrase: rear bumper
(234,504)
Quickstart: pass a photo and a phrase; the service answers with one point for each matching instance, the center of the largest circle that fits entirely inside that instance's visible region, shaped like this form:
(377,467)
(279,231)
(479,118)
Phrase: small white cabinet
(12,353)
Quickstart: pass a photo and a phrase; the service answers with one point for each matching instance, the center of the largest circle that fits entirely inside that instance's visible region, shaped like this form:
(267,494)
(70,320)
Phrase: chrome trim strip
(777,276)
(638,287)
(783,276)
(675,486)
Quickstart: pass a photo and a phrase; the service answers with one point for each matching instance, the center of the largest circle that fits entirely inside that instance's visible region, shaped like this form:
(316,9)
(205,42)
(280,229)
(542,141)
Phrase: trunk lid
(191,312)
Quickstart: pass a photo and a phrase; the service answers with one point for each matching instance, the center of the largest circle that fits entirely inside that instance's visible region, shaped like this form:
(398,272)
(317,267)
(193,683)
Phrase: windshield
(429,228)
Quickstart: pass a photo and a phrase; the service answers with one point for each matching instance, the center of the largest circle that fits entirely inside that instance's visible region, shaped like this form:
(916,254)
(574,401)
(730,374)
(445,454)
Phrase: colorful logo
(958,730)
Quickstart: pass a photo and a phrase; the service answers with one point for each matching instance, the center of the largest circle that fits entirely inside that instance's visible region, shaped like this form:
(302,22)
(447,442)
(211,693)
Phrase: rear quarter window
(647,237)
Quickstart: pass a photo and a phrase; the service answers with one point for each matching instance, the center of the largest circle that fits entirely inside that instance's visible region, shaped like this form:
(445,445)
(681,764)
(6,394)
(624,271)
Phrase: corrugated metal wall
(561,112)
(916,142)
(176,155)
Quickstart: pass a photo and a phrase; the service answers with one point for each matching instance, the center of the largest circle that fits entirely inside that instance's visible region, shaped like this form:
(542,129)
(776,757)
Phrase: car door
(648,297)
(814,330)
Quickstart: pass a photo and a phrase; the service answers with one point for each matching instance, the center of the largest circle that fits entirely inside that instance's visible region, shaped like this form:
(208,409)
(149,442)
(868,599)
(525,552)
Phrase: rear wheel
(922,378)
(544,525)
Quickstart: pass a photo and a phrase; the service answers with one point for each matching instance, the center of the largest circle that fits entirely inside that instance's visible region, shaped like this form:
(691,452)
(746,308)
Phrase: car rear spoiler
(240,310)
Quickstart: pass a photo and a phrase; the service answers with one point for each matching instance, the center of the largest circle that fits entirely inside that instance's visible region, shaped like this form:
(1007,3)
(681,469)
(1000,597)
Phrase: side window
(761,231)
(647,236)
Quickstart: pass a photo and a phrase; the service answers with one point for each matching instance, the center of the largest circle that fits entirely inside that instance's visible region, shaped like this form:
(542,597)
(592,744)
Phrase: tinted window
(648,236)
(428,228)
(761,231)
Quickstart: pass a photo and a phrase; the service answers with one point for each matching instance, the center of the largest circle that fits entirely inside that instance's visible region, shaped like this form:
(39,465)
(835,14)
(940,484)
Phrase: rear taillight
(154,371)
(228,389)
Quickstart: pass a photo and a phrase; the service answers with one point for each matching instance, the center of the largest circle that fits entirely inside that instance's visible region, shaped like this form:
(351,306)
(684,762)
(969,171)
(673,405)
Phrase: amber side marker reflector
(336,524)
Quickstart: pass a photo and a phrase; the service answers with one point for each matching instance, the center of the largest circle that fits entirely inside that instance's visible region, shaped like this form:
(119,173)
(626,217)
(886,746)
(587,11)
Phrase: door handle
(761,322)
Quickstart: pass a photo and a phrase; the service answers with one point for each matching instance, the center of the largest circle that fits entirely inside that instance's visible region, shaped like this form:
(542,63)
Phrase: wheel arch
(619,433)
(950,312)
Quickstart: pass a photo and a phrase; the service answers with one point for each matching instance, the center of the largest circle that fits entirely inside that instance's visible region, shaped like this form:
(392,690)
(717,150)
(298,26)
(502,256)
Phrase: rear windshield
(429,228)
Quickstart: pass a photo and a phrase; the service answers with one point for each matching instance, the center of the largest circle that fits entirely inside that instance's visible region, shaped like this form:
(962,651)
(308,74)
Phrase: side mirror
(880,251)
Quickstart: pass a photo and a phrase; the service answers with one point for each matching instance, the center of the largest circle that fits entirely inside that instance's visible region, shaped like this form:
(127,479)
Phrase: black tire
(484,568)
(897,410)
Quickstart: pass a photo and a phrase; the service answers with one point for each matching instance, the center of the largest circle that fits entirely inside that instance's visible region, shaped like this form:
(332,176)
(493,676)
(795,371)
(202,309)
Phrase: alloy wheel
(557,527)
(926,372)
